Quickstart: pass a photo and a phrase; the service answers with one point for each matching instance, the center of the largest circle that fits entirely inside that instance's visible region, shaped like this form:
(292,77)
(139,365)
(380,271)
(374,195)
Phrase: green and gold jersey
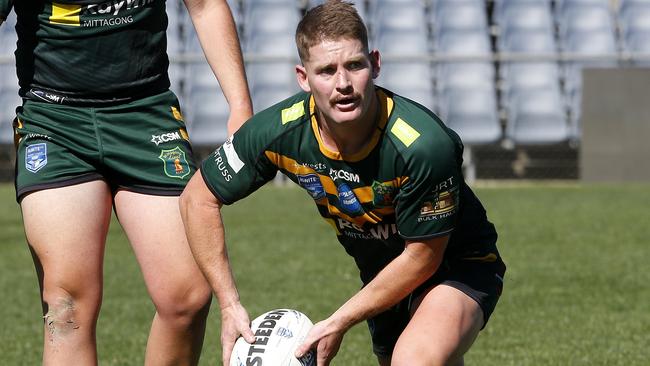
(406,184)
(91,51)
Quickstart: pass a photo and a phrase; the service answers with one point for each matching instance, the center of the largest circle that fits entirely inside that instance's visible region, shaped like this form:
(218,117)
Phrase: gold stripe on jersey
(66,14)
(385,106)
(404,132)
(365,195)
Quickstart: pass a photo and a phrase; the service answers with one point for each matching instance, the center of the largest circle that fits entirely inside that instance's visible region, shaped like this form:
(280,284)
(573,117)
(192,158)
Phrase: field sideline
(576,289)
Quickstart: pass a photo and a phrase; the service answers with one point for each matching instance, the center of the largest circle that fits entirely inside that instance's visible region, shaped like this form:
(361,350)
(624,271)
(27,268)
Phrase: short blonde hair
(333,20)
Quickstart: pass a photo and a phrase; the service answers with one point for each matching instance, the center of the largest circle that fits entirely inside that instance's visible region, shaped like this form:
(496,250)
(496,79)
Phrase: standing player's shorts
(140,146)
(479,278)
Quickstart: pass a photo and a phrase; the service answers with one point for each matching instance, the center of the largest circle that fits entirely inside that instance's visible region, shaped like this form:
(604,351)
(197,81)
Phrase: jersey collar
(385,109)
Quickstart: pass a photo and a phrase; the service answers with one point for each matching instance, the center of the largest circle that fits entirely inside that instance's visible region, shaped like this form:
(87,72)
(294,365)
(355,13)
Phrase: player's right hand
(234,322)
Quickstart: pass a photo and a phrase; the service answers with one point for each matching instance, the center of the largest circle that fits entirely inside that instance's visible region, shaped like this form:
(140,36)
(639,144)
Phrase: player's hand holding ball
(325,337)
(234,322)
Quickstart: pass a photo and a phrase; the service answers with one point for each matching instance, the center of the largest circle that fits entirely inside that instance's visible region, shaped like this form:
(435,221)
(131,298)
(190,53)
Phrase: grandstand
(505,74)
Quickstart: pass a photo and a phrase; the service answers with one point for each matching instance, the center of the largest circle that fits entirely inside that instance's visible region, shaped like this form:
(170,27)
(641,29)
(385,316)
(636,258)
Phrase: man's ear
(375,62)
(301,75)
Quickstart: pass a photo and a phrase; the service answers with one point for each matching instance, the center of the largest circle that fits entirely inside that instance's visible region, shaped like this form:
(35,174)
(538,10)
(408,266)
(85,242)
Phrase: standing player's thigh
(66,229)
(154,227)
(443,326)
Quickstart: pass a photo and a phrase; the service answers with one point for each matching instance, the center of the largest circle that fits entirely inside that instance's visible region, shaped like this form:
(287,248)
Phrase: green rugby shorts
(140,146)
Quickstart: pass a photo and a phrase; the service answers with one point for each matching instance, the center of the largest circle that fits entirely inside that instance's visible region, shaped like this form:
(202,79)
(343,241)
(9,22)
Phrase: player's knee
(62,316)
(185,308)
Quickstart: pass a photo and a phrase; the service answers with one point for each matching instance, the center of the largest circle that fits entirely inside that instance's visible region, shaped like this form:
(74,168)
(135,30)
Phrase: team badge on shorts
(175,163)
(35,157)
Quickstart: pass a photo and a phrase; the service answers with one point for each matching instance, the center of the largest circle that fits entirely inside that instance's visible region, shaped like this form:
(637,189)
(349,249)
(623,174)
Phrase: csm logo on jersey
(342,174)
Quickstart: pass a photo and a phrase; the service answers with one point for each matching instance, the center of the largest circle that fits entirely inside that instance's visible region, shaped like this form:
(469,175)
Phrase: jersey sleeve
(239,167)
(428,202)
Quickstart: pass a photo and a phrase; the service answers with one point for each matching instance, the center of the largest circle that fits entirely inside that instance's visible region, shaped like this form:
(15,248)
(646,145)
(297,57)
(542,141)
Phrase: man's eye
(328,71)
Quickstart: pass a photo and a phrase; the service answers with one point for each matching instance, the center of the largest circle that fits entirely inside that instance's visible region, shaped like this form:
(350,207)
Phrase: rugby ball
(277,335)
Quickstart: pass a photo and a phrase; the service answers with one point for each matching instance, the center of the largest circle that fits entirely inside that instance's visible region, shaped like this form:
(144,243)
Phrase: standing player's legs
(443,327)
(179,291)
(66,230)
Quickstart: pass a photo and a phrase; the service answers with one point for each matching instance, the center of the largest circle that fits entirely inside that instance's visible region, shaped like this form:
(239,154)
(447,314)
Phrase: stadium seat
(537,117)
(472,113)
(207,116)
(269,45)
(529,75)
(514,15)
(464,75)
(463,43)
(585,18)
(410,79)
(402,44)
(270,17)
(458,15)
(400,16)
(635,31)
(528,41)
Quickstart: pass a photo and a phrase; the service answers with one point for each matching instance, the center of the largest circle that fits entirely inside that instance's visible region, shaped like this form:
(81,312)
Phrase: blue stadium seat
(458,15)
(585,17)
(528,41)
(537,116)
(399,16)
(463,43)
(206,112)
(402,44)
(270,45)
(464,75)
(635,30)
(472,113)
(270,18)
(514,15)
(529,75)
(413,80)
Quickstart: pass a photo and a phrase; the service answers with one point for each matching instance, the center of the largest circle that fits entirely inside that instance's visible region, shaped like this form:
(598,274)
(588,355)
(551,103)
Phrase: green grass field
(576,289)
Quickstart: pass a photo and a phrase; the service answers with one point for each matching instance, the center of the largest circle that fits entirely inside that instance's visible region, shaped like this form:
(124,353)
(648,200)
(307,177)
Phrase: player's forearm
(206,238)
(216,30)
(399,278)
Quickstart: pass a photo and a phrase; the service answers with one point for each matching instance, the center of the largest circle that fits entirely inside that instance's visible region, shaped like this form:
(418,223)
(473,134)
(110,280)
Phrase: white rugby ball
(277,335)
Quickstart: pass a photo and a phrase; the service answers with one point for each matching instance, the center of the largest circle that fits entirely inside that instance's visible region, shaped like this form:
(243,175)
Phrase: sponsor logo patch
(404,132)
(443,205)
(313,185)
(35,157)
(174,162)
(293,113)
(169,137)
(348,200)
(231,155)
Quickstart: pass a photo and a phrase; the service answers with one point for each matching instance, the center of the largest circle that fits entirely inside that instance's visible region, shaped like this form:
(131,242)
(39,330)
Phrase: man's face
(339,75)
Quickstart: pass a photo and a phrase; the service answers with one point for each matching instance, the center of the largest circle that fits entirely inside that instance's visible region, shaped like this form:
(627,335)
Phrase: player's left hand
(325,338)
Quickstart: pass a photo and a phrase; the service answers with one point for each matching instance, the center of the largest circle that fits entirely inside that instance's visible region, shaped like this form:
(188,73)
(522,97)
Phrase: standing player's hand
(234,322)
(326,338)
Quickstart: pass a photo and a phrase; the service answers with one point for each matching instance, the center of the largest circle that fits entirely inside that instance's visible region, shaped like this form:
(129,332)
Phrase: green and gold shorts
(140,146)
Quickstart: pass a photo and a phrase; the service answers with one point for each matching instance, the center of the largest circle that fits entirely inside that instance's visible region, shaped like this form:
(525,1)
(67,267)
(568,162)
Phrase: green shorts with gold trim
(140,146)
